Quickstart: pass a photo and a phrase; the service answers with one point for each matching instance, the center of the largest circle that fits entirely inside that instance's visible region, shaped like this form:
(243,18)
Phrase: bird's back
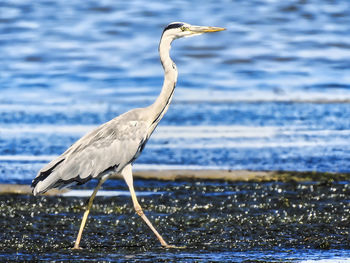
(106,149)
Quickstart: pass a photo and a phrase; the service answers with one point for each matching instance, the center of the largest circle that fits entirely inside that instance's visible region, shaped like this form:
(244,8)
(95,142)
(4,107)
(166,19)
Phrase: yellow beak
(205,29)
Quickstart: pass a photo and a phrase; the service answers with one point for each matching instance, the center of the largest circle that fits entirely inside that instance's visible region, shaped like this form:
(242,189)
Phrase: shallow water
(270,93)
(215,221)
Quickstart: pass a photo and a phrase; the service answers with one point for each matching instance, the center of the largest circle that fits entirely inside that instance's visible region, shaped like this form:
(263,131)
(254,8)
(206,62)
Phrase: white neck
(160,106)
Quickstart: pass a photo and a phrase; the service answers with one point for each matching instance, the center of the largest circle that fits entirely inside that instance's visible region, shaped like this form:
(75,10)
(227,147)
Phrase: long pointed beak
(205,29)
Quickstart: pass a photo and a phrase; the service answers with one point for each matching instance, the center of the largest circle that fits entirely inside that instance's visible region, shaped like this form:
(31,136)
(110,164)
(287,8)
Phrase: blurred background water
(270,93)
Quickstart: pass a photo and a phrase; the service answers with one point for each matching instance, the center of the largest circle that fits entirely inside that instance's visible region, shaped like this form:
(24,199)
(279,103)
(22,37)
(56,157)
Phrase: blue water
(302,256)
(272,92)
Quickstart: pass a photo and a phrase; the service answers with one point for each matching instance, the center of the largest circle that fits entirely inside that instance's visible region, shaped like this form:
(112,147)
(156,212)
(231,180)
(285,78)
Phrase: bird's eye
(183,28)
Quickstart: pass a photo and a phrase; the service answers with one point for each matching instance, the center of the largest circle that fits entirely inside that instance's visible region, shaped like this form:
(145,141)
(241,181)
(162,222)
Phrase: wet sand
(271,217)
(221,175)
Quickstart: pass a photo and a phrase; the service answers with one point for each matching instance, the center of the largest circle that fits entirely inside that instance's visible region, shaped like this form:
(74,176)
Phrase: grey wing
(107,149)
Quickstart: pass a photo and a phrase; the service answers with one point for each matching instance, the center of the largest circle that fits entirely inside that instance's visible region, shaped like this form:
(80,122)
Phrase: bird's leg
(127,174)
(87,211)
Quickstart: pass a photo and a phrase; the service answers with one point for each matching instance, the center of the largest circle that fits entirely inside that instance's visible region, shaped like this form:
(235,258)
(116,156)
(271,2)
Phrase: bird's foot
(76,248)
(172,246)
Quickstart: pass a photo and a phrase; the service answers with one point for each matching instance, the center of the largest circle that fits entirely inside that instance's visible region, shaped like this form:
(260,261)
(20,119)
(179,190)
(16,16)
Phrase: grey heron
(115,145)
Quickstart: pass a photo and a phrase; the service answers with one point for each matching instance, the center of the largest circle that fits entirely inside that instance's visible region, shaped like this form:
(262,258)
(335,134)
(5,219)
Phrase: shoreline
(210,175)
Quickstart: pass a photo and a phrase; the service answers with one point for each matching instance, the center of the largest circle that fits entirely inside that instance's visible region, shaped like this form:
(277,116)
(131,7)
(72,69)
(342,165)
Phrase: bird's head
(180,29)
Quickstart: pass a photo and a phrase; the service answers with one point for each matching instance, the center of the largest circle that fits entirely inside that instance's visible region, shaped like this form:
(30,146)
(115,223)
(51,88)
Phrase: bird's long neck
(160,106)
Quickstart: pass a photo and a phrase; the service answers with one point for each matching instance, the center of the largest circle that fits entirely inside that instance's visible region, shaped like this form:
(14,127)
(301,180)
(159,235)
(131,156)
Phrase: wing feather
(106,149)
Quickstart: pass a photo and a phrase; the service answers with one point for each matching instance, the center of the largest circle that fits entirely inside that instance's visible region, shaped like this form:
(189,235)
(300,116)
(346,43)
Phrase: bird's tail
(45,179)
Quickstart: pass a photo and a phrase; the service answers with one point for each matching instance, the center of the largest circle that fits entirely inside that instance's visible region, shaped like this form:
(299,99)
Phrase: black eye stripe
(173,26)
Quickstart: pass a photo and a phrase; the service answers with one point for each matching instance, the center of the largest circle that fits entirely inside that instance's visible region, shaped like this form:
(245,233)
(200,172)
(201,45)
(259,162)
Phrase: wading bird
(114,146)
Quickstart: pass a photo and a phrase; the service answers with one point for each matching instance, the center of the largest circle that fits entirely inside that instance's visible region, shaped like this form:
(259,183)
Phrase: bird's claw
(76,248)
(172,246)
